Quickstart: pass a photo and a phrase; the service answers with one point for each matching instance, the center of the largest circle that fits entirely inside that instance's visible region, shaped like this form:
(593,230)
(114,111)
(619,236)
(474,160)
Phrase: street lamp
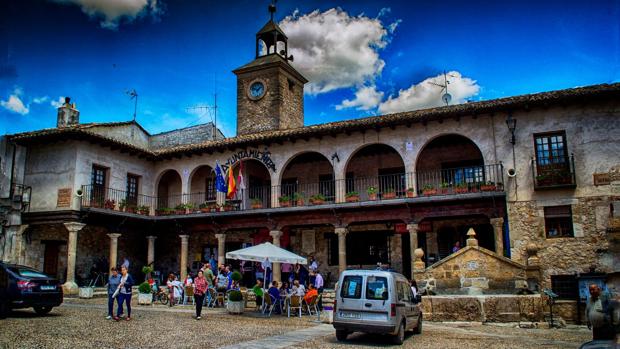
(512,125)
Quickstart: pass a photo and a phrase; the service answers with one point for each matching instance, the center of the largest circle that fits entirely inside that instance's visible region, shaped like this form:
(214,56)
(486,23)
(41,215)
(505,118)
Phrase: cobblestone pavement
(81,323)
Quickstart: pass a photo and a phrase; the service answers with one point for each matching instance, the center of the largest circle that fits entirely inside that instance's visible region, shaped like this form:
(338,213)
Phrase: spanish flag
(232,187)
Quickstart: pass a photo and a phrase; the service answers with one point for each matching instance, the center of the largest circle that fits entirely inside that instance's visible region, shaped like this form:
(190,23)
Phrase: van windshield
(377,288)
(351,287)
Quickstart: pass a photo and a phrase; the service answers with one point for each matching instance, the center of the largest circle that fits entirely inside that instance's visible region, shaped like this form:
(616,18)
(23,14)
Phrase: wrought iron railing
(548,174)
(452,181)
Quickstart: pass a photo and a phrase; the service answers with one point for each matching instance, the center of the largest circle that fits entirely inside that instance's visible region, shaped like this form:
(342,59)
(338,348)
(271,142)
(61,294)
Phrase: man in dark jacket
(113,281)
(599,314)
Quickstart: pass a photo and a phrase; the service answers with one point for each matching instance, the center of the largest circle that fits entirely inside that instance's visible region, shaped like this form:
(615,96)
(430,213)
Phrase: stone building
(536,172)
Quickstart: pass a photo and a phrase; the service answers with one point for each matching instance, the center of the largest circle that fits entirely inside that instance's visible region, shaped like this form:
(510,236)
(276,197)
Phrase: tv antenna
(207,109)
(446,97)
(133,95)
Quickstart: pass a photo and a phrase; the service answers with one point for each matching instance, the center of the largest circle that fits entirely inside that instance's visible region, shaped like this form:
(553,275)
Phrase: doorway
(50,257)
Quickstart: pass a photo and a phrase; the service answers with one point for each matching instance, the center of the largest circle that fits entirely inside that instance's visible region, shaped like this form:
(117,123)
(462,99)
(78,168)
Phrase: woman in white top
(414,287)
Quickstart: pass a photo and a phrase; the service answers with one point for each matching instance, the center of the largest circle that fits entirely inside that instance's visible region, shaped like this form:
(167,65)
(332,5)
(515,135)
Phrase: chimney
(67,114)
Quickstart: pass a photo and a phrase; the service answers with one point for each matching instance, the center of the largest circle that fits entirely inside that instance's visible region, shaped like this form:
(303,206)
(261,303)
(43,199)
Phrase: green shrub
(144,287)
(236,276)
(147,269)
(235,296)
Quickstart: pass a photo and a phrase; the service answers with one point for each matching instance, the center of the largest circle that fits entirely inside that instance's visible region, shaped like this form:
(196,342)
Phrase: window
(565,286)
(376,288)
(403,292)
(98,182)
(551,149)
(332,247)
(558,221)
(210,185)
(132,189)
(351,287)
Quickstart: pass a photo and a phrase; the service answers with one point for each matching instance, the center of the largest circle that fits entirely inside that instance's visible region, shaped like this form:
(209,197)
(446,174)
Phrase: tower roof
(271,27)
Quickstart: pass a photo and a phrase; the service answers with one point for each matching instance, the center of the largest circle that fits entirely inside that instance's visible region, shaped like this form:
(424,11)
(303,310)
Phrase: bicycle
(160,296)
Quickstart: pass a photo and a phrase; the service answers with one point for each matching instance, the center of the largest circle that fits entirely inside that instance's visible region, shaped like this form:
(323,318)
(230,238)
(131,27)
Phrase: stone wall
(488,308)
(188,135)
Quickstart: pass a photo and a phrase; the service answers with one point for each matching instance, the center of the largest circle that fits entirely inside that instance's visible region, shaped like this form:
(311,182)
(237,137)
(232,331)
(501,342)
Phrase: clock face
(257,89)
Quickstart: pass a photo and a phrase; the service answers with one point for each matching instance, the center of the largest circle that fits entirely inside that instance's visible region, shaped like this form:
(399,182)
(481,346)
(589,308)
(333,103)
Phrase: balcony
(446,182)
(554,175)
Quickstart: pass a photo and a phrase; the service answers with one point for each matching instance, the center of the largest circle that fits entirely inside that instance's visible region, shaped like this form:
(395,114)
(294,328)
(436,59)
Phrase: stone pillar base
(70,288)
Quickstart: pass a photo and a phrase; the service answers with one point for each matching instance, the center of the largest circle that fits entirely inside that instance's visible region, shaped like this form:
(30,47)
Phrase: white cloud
(366,98)
(58,103)
(14,103)
(39,100)
(112,12)
(427,95)
(335,50)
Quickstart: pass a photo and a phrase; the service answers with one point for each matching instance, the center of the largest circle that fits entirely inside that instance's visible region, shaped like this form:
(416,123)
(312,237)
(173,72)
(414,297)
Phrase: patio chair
(220,297)
(211,297)
(312,305)
(189,294)
(269,303)
(295,304)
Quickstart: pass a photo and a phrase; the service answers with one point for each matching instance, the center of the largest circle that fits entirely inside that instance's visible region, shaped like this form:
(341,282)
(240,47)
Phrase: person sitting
(188,280)
(221,282)
(284,289)
(312,293)
(275,294)
(175,287)
(258,291)
(298,289)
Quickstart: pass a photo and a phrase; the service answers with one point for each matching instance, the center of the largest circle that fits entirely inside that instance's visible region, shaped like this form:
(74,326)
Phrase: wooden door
(50,261)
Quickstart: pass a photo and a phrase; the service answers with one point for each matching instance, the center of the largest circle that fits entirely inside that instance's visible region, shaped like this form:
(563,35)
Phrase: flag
(232,188)
(220,183)
(241,182)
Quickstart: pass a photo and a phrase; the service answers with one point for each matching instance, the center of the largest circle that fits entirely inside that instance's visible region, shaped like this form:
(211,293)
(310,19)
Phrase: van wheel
(4,309)
(418,328)
(42,310)
(399,338)
(341,335)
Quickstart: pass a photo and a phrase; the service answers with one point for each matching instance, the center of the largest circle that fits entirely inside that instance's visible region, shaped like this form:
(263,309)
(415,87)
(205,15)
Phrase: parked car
(25,287)
(375,301)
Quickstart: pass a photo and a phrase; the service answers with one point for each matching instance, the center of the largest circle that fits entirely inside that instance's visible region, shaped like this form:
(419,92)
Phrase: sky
(362,57)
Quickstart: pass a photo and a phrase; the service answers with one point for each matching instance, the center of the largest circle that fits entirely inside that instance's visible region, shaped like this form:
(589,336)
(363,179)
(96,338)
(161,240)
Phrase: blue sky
(376,56)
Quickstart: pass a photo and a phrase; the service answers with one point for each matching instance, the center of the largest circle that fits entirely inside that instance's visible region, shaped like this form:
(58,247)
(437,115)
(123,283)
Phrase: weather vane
(133,95)
(272,8)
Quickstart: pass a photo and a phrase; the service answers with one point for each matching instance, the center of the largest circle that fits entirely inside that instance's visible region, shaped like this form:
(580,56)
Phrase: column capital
(412,227)
(184,237)
(497,221)
(74,226)
(21,229)
(114,236)
(341,231)
(220,236)
(151,237)
(276,234)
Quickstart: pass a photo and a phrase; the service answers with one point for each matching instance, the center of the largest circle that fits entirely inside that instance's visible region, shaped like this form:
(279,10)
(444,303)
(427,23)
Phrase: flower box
(488,187)
(354,198)
(372,196)
(429,192)
(410,194)
(461,190)
(235,307)
(257,206)
(285,204)
(145,298)
(389,195)
(300,202)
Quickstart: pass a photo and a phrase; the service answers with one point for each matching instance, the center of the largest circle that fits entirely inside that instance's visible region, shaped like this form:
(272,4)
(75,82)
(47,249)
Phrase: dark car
(25,287)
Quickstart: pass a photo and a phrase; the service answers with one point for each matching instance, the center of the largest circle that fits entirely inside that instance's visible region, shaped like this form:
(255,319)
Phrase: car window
(377,287)
(351,287)
(403,291)
(28,273)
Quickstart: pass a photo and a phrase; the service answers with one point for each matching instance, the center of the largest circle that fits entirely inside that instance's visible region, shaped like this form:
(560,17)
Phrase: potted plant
(179,209)
(429,190)
(235,304)
(131,209)
(256,203)
(122,205)
(444,187)
(165,211)
(461,188)
(204,207)
(410,192)
(352,196)
(97,202)
(389,193)
(318,199)
(298,198)
(191,208)
(228,206)
(109,204)
(214,207)
(144,210)
(372,193)
(284,200)
(488,186)
(145,295)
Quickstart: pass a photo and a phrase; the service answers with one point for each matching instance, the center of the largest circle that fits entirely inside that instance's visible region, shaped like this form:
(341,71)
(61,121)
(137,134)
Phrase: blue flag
(220,183)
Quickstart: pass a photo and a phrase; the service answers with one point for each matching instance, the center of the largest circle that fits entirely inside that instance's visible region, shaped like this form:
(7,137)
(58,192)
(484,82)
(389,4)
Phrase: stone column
(413,243)
(113,249)
(498,228)
(70,287)
(342,248)
(19,254)
(275,267)
(221,255)
(150,252)
(184,239)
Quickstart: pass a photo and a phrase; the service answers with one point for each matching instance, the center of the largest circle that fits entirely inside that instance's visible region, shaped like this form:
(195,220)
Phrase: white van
(375,301)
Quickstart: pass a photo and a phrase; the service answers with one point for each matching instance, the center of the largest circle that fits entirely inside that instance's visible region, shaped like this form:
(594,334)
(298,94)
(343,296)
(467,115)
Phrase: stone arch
(169,189)
(257,180)
(439,137)
(307,173)
(201,185)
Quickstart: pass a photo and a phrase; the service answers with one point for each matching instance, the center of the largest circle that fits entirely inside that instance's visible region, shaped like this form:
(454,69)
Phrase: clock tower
(270,92)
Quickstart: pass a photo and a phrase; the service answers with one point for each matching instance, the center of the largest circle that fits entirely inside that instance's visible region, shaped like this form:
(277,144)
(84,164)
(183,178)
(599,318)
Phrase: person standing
(124,294)
(213,263)
(286,269)
(313,267)
(598,314)
(113,281)
(200,284)
(319,284)
(456,247)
